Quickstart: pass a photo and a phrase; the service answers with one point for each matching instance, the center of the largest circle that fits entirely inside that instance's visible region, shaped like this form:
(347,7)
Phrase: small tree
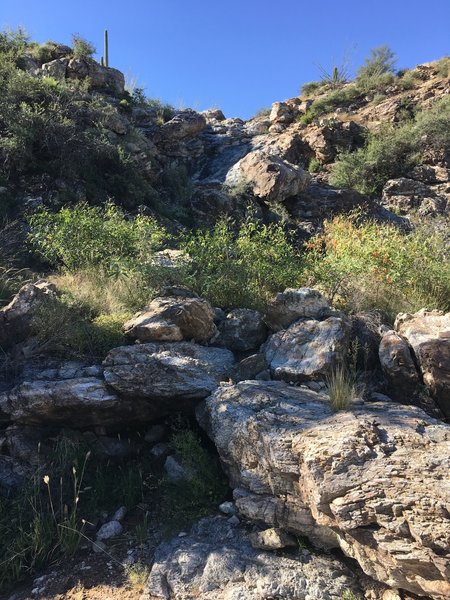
(380,62)
(81,47)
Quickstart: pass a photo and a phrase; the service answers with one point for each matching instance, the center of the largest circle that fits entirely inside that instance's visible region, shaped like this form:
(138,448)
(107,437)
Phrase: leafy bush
(315,165)
(377,71)
(389,153)
(442,66)
(241,268)
(53,133)
(371,265)
(310,88)
(83,236)
(393,150)
(82,48)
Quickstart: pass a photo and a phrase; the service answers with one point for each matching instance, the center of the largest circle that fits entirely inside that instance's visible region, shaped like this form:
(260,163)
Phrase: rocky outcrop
(293,304)
(242,330)
(184,125)
(70,395)
(308,349)
(269,177)
(15,318)
(406,195)
(327,140)
(173,319)
(371,480)
(216,561)
(167,370)
(399,367)
(105,79)
(428,334)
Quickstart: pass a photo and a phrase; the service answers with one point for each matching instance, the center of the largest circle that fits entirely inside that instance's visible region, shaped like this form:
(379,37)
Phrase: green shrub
(82,48)
(377,71)
(83,236)
(326,104)
(372,265)
(262,112)
(442,66)
(311,88)
(380,61)
(203,488)
(241,268)
(393,150)
(389,153)
(315,165)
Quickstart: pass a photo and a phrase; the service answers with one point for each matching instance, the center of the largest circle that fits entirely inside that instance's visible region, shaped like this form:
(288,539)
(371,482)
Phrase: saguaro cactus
(105,50)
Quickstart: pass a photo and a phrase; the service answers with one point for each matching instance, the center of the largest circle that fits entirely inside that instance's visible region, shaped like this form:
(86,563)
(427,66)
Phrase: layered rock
(308,349)
(371,480)
(15,318)
(216,561)
(173,319)
(428,334)
(293,304)
(167,370)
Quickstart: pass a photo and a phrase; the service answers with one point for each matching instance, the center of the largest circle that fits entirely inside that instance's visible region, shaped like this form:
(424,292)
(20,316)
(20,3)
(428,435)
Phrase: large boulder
(405,195)
(15,318)
(398,366)
(428,334)
(308,349)
(269,177)
(216,561)
(294,304)
(65,396)
(243,329)
(167,370)
(328,140)
(173,319)
(185,125)
(372,481)
(105,79)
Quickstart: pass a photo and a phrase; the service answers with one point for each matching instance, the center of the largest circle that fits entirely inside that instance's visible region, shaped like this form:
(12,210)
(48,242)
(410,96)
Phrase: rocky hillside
(224,345)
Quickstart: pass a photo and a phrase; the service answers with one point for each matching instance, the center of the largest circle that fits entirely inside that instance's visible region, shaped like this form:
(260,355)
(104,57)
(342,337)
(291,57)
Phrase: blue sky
(239,55)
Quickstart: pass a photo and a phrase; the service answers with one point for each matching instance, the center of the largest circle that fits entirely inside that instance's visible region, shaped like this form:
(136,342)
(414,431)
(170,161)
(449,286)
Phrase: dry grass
(137,575)
(342,388)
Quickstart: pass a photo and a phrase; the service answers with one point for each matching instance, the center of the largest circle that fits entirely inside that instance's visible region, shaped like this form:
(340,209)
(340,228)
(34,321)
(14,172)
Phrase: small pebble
(233,520)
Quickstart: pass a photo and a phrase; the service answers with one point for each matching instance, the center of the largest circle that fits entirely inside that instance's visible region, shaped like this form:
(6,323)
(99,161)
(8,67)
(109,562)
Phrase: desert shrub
(364,265)
(262,112)
(163,110)
(311,88)
(389,153)
(380,62)
(325,104)
(393,150)
(83,236)
(53,132)
(179,187)
(315,165)
(433,126)
(407,80)
(378,70)
(81,47)
(62,328)
(242,267)
(442,66)
(43,53)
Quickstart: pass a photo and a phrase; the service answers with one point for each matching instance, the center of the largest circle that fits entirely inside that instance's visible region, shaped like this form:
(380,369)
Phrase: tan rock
(428,334)
(173,319)
(374,480)
(269,177)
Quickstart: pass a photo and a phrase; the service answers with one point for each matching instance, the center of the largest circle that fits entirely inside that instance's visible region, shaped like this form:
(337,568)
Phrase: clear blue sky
(239,55)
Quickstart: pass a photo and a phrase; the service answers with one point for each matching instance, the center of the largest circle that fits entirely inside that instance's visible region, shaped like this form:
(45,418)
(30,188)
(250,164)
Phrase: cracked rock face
(166,370)
(308,349)
(373,480)
(173,319)
(217,562)
(270,177)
